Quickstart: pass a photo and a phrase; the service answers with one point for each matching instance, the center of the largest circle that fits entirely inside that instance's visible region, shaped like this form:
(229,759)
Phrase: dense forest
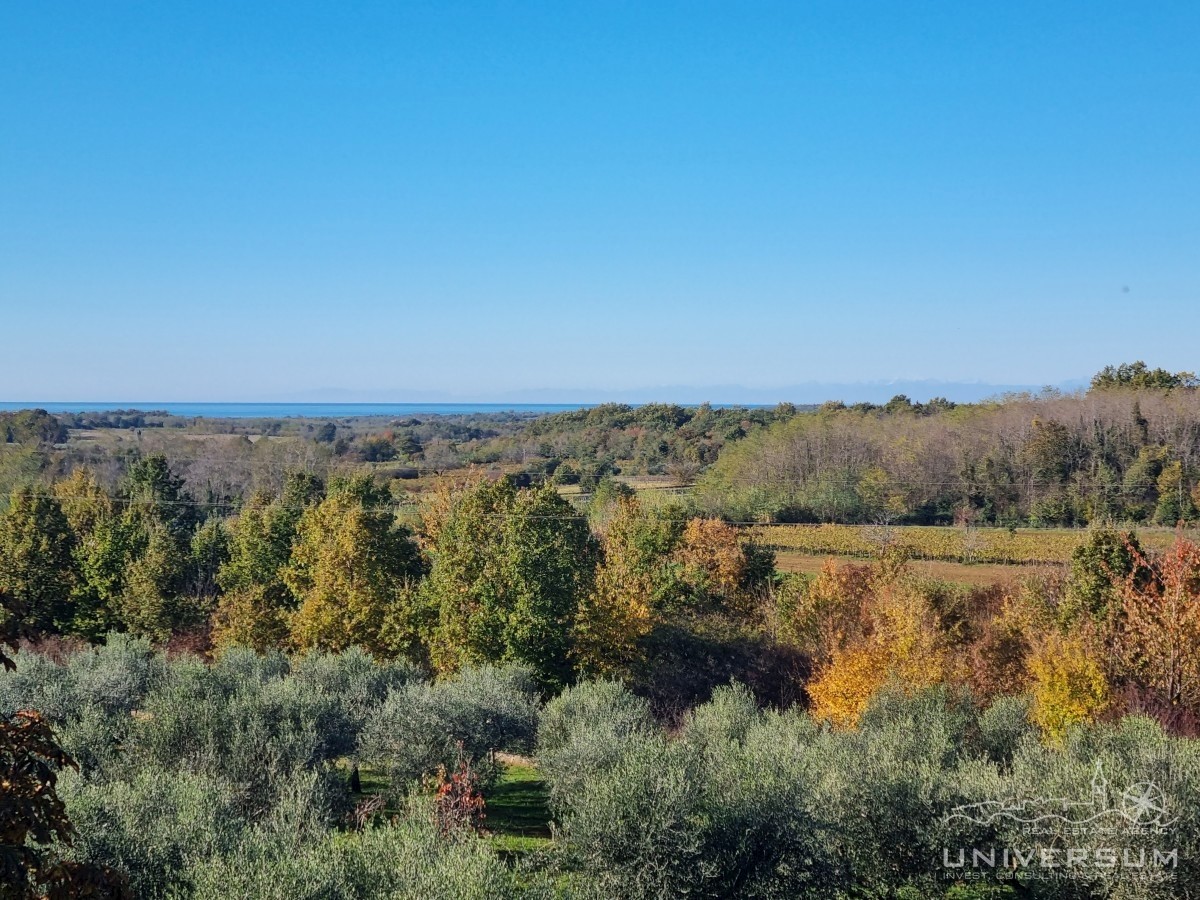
(1114,454)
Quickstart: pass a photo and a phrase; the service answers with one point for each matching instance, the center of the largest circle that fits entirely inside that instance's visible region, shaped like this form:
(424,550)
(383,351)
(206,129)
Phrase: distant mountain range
(725,394)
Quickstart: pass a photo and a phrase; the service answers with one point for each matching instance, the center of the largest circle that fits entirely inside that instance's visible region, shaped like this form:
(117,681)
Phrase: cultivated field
(1020,546)
(972,574)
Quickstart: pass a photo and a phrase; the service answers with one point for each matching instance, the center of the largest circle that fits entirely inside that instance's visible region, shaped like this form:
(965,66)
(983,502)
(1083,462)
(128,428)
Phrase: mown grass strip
(518,809)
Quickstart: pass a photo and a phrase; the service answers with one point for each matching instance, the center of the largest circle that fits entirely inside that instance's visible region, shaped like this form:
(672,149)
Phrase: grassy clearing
(518,810)
(372,780)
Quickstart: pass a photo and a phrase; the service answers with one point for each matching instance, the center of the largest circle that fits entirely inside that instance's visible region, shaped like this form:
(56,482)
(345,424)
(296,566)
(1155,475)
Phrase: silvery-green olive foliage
(422,726)
(205,780)
(742,802)
(226,779)
(583,730)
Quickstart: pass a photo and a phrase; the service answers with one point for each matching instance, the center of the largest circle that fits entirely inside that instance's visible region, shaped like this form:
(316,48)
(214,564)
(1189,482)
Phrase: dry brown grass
(975,574)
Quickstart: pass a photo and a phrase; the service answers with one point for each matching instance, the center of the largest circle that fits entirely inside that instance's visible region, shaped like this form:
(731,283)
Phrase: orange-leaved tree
(901,644)
(721,567)
(1158,635)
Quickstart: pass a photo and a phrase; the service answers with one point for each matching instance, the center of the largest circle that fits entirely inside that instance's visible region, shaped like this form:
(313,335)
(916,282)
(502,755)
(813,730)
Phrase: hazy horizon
(727,395)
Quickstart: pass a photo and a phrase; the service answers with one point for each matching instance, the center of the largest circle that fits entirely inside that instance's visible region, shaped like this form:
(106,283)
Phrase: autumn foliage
(1069,687)
(32,816)
(1120,634)
(458,801)
(1158,632)
(881,630)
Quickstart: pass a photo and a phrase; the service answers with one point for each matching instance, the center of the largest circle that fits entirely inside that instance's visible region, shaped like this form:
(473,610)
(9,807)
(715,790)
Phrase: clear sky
(232,201)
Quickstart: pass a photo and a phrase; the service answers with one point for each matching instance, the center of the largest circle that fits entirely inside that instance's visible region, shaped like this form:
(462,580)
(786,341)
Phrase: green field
(518,812)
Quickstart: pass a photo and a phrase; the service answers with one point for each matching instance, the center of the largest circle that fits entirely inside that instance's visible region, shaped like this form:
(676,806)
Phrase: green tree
(1139,375)
(1140,485)
(1175,502)
(376,448)
(103,555)
(255,608)
(84,502)
(255,603)
(509,570)
(100,552)
(209,551)
(152,601)
(351,569)
(153,491)
(31,426)
(1098,568)
(37,562)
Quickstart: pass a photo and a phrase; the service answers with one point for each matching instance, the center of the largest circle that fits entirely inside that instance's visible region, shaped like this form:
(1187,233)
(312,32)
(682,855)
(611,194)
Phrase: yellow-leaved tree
(832,612)
(634,582)
(1068,685)
(352,569)
(900,643)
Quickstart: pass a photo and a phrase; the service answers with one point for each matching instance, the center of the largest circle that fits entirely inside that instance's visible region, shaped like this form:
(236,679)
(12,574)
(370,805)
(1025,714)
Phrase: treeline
(28,426)
(224,460)
(490,572)
(1119,453)
(584,445)
(672,603)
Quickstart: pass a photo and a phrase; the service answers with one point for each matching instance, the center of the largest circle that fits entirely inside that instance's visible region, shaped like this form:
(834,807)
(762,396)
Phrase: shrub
(603,704)
(1003,726)
(583,730)
(634,827)
(37,683)
(116,675)
(354,683)
(251,733)
(154,827)
(422,727)
(727,717)
(409,860)
(724,811)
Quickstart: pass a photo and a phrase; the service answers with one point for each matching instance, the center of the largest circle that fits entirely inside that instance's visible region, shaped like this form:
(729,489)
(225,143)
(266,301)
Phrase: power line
(573,517)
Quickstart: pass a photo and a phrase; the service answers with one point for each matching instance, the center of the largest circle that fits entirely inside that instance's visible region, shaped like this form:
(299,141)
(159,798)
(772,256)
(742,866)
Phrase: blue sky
(236,201)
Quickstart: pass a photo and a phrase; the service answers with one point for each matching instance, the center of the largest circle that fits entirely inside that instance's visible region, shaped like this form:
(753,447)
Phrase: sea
(298,410)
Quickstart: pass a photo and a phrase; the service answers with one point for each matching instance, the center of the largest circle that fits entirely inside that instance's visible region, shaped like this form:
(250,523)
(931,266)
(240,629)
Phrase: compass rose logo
(1142,804)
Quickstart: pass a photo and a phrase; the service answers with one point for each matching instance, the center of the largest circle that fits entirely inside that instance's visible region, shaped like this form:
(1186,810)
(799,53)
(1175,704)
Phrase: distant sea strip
(300,410)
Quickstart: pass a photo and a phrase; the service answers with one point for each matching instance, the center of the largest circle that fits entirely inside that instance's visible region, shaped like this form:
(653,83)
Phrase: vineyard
(1022,546)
